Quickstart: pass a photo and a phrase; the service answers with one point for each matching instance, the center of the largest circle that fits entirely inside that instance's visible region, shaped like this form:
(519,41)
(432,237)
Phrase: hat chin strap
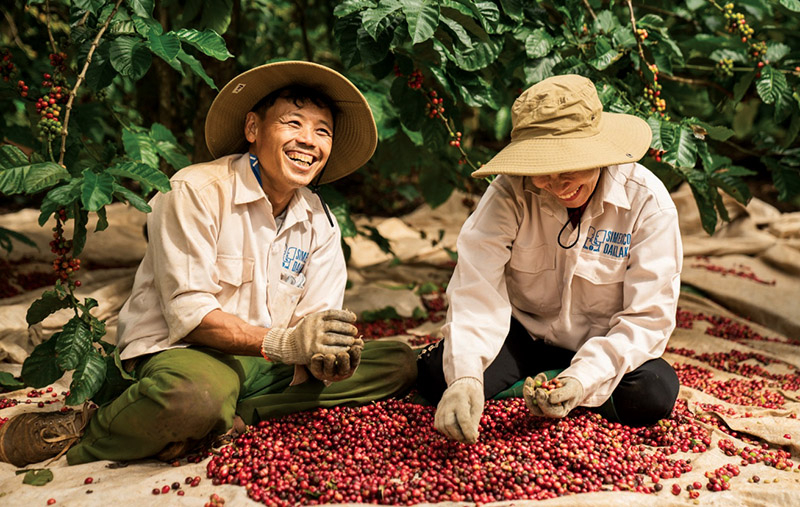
(314,186)
(567,247)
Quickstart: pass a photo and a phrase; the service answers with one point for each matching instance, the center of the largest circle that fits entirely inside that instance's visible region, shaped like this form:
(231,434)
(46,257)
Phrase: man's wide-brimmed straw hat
(559,126)
(354,133)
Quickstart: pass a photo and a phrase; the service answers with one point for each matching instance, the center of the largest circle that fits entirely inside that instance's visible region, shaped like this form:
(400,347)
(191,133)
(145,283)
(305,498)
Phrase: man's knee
(191,407)
(397,363)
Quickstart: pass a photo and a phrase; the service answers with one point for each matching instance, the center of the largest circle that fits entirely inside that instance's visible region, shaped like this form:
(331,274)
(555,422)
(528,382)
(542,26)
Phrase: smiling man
(236,310)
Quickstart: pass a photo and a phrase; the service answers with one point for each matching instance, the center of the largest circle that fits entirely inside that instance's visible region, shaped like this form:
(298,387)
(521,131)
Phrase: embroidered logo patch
(294,259)
(606,242)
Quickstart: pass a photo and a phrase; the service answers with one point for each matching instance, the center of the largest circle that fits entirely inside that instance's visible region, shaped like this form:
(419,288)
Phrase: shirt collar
(247,190)
(613,190)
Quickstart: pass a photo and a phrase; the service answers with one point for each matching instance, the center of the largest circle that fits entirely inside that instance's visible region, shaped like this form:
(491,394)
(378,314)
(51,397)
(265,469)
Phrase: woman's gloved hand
(554,398)
(459,412)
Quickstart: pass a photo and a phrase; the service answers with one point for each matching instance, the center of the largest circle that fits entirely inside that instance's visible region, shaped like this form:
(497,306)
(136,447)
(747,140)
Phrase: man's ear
(251,127)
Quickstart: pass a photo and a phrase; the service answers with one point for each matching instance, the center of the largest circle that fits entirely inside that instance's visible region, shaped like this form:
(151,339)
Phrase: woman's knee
(647,394)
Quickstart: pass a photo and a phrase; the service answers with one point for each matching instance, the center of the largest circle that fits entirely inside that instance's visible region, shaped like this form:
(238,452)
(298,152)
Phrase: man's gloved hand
(459,412)
(339,366)
(326,332)
(555,398)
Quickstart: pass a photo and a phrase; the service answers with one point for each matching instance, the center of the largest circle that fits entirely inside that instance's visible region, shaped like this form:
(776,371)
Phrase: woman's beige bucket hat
(354,133)
(559,126)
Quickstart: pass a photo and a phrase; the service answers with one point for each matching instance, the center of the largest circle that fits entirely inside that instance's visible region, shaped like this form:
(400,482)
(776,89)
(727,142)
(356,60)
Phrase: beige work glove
(339,366)
(459,412)
(326,332)
(555,398)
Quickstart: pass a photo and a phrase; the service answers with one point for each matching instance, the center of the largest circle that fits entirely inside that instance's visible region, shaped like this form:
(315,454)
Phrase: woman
(570,262)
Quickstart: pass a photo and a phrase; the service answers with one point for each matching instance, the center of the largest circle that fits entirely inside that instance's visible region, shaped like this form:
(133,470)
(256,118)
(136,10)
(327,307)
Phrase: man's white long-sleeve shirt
(214,244)
(612,297)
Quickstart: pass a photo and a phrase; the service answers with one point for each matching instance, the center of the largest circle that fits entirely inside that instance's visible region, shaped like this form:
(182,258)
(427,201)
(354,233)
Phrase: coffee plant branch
(14,31)
(635,33)
(81,77)
(697,82)
(84,18)
(591,11)
(47,22)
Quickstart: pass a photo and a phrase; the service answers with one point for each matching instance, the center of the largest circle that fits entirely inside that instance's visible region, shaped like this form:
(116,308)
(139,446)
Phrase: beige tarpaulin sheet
(748,272)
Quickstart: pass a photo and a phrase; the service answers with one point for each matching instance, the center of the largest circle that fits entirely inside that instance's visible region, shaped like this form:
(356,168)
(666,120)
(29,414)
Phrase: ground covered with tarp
(733,438)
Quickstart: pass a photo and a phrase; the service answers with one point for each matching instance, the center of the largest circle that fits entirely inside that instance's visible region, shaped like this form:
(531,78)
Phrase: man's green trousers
(187,394)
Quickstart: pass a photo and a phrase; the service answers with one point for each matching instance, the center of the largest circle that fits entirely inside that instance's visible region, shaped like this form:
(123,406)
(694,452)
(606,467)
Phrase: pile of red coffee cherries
(389,453)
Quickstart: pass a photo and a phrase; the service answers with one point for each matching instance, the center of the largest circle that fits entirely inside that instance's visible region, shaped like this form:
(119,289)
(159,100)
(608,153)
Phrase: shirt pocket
(235,271)
(597,288)
(533,284)
(283,303)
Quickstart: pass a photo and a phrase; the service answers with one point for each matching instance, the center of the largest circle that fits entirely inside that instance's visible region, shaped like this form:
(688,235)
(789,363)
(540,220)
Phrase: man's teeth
(569,195)
(302,158)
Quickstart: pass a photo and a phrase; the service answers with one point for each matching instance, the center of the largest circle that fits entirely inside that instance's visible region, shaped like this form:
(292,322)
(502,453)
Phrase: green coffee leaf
(165,46)
(542,68)
(771,85)
(538,43)
(130,57)
(73,343)
(40,369)
(196,67)
(134,199)
(455,28)
(38,477)
(207,41)
(346,32)
(143,8)
(11,156)
(49,303)
(167,146)
(44,175)
(10,383)
(87,378)
(371,18)
(96,190)
(140,147)
(480,55)
(350,6)
(143,174)
(59,197)
(147,25)
(422,17)
(704,200)
(792,5)
(682,152)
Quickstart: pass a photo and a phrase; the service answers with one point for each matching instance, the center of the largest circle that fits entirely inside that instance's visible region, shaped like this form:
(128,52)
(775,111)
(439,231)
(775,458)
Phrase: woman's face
(571,189)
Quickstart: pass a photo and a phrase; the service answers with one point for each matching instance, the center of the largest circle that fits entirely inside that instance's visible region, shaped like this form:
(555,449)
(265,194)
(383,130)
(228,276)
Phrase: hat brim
(622,139)
(355,135)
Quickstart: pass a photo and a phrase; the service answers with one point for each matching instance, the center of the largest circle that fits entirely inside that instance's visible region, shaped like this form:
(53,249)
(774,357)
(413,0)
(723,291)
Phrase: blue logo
(611,243)
(294,259)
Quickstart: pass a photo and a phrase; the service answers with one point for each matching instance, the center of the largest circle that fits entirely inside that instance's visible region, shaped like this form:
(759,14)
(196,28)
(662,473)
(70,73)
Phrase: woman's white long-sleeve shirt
(611,298)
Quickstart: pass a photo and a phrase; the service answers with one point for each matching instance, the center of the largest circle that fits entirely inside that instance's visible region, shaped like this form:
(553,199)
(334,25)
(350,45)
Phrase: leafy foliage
(119,107)
(71,152)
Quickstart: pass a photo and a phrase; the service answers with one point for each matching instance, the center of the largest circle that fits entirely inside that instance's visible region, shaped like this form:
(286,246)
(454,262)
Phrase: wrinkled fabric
(214,245)
(612,298)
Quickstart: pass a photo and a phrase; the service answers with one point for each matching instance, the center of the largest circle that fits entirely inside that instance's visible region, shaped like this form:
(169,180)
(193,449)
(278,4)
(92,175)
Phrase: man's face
(571,189)
(292,143)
